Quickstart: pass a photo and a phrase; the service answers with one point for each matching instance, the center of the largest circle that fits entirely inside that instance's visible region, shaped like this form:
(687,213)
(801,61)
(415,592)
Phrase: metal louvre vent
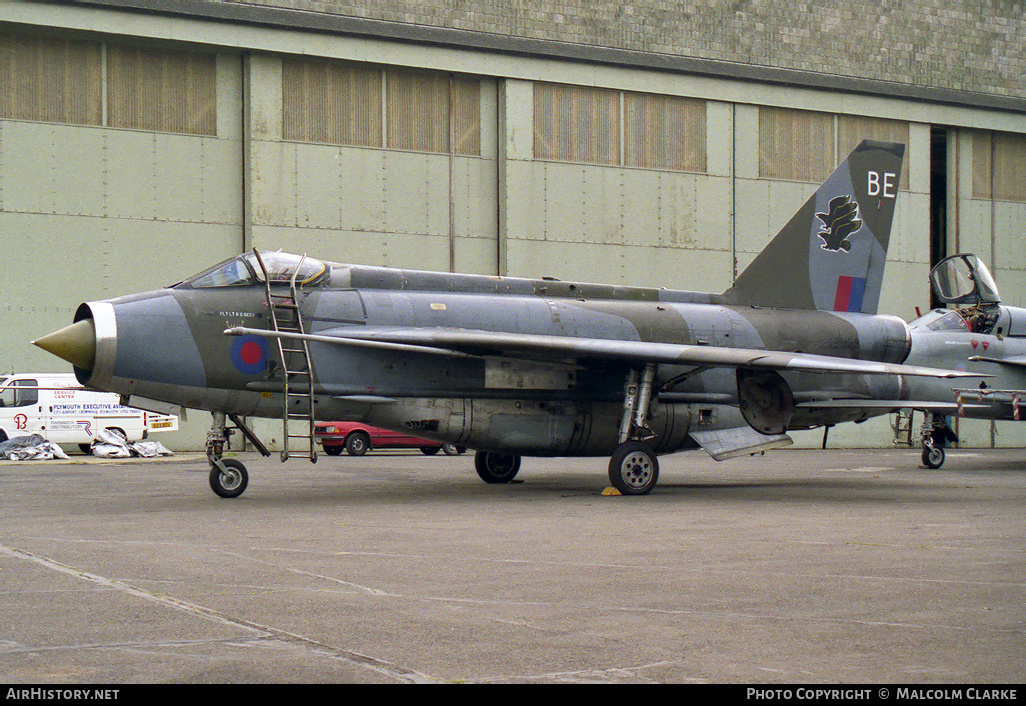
(795,145)
(602,126)
(576,124)
(804,145)
(347,104)
(664,132)
(999,166)
(418,112)
(160,90)
(331,102)
(50,80)
(466,115)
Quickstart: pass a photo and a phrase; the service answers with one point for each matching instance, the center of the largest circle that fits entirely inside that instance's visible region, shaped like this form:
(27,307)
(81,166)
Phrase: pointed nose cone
(75,344)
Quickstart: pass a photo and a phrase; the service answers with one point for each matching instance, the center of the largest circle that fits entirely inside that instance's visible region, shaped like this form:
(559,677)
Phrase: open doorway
(938,200)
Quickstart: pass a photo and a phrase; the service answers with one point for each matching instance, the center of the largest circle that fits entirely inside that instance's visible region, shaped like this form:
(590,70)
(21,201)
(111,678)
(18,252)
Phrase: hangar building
(653,143)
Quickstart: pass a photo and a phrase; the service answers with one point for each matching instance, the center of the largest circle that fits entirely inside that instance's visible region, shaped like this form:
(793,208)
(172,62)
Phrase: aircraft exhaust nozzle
(75,343)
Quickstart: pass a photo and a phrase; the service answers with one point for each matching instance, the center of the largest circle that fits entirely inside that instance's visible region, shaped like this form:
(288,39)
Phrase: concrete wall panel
(612,263)
(273,183)
(318,186)
(361,189)
(49,168)
(407,250)
(1009,244)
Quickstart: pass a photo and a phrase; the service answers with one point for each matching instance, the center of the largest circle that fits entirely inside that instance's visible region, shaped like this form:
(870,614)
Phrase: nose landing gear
(228,477)
(936,433)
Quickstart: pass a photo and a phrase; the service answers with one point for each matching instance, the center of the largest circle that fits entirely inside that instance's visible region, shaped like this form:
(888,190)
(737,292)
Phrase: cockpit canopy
(942,320)
(246,269)
(964,279)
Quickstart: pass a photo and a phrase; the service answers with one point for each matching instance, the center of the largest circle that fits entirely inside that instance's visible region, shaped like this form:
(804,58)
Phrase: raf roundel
(249,354)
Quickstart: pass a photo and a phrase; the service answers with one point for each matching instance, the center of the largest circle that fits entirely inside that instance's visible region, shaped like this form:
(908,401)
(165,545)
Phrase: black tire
(230,484)
(334,450)
(633,469)
(933,456)
(496,467)
(452,449)
(357,443)
(430,450)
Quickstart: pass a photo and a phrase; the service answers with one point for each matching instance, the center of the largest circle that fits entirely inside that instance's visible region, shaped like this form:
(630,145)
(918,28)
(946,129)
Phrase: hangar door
(381,165)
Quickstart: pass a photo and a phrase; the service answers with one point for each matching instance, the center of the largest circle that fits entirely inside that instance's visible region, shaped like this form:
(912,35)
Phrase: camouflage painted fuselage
(170,345)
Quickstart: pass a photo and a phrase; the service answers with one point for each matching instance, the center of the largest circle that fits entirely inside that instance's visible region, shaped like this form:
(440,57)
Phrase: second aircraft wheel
(933,456)
(496,467)
(633,469)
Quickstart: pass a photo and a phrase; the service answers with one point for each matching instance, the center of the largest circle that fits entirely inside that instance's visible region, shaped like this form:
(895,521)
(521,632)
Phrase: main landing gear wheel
(230,482)
(496,467)
(933,456)
(633,469)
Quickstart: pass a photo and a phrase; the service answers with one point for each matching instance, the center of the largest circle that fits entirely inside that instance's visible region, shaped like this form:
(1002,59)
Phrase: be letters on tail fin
(830,255)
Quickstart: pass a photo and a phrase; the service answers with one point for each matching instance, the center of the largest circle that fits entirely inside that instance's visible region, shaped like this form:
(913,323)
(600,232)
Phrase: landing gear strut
(634,468)
(936,433)
(228,478)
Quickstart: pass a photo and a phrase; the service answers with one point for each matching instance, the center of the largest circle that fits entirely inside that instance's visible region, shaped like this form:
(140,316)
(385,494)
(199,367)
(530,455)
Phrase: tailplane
(831,254)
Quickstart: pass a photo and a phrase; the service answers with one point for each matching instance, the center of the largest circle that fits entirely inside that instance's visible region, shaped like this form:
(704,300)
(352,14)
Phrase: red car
(358,439)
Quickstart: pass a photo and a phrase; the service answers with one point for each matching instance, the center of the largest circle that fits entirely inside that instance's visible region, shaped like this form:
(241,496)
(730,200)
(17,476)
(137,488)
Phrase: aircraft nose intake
(75,344)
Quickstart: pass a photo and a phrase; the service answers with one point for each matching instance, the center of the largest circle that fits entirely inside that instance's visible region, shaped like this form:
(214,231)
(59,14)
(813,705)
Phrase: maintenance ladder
(294,355)
(901,423)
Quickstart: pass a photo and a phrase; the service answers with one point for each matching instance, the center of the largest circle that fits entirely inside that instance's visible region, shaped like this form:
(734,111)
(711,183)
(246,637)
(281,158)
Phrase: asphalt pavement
(800,566)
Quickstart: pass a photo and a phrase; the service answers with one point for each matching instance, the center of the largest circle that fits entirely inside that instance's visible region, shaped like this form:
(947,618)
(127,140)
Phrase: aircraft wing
(462,342)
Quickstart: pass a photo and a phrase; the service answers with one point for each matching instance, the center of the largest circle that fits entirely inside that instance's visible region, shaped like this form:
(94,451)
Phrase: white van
(58,408)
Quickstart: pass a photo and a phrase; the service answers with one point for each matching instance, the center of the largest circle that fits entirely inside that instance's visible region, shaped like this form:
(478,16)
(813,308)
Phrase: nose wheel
(228,478)
(933,456)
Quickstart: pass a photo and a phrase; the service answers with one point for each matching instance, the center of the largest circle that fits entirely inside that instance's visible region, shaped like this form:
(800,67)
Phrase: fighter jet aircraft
(511,366)
(981,335)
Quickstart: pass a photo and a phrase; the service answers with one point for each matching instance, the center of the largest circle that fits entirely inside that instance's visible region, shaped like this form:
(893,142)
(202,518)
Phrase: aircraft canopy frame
(243,270)
(964,279)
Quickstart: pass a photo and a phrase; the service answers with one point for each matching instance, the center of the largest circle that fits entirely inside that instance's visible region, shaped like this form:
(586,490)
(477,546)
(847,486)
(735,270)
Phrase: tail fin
(831,254)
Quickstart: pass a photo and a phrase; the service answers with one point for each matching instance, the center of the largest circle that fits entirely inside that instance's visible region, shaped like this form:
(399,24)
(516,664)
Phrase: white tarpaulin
(111,445)
(30,448)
